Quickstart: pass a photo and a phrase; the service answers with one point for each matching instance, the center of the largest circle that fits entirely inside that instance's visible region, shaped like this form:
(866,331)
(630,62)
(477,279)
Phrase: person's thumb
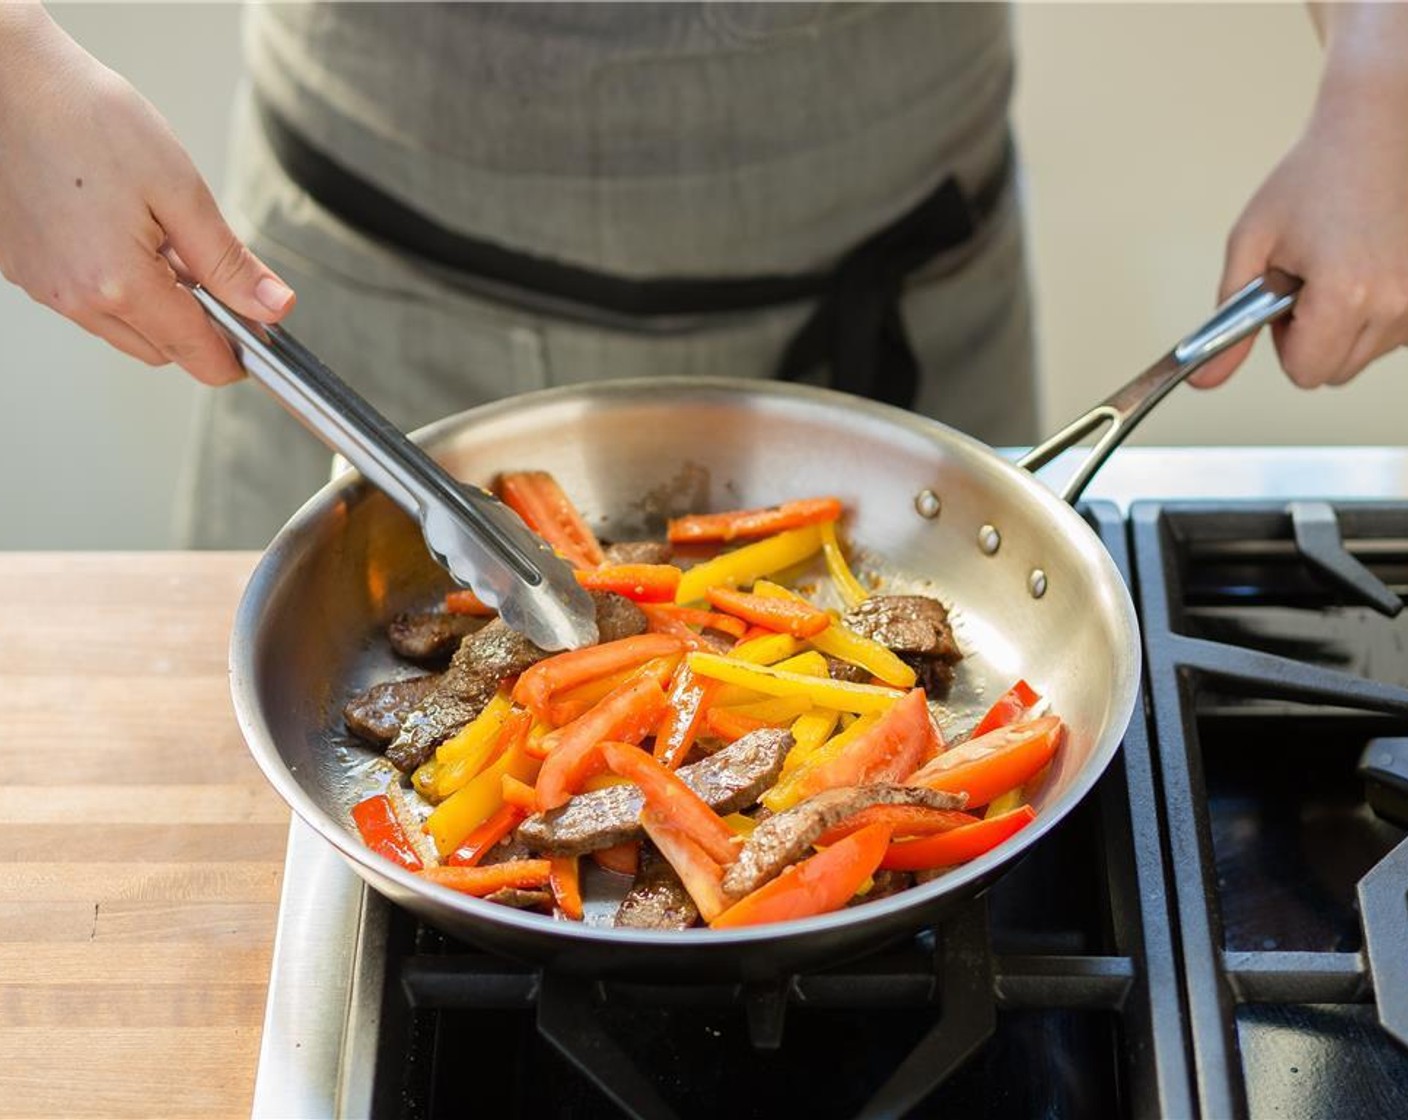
(215,258)
(1248,253)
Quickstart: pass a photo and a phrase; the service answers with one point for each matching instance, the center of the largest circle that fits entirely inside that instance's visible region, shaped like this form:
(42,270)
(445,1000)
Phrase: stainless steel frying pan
(1032,591)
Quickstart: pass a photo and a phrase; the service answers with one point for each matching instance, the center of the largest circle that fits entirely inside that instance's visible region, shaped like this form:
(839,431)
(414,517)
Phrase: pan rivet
(927,504)
(1036,583)
(989,539)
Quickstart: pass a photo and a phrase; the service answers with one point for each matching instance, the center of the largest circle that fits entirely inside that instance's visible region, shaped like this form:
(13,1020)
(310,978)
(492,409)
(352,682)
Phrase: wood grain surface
(140,848)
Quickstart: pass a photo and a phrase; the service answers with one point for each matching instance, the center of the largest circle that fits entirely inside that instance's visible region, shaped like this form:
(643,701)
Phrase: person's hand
(1335,212)
(98,202)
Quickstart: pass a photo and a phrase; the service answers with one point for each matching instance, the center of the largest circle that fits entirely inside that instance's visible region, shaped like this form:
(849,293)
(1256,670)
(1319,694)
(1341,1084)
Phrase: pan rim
(259,739)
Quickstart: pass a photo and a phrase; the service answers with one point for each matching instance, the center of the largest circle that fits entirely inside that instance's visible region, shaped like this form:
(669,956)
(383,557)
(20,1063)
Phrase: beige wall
(1144,130)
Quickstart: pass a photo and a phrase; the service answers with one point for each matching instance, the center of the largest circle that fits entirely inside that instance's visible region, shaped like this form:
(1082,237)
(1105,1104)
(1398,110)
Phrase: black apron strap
(855,335)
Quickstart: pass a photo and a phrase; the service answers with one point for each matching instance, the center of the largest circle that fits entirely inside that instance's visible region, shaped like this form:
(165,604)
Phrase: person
(473,200)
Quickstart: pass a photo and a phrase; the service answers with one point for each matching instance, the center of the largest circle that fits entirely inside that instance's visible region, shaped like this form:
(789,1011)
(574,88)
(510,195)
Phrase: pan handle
(1266,298)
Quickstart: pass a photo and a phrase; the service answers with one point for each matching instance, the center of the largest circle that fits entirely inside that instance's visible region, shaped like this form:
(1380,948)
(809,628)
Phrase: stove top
(1219,930)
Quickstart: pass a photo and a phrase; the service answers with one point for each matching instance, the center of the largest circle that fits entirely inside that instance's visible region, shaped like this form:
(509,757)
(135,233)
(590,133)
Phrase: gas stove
(1221,929)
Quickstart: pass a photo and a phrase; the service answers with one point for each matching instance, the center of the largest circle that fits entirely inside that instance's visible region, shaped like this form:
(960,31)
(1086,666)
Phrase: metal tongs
(482,543)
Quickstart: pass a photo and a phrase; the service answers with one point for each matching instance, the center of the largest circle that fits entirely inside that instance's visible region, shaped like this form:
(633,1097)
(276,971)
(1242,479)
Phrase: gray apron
(638,141)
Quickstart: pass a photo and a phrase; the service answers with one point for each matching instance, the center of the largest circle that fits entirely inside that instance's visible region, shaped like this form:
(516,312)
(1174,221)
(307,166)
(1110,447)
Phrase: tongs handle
(1263,300)
(348,424)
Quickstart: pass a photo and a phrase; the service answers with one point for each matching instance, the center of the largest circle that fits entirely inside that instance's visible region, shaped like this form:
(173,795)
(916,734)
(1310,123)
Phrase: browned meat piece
(782,840)
(657,899)
(520,899)
(507,849)
(430,635)
(639,552)
(839,670)
(730,780)
(915,627)
(376,715)
(887,883)
(912,624)
(483,659)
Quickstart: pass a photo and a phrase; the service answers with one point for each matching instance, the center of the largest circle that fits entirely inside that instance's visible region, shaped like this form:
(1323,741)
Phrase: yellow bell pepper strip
(741,825)
(787,616)
(423,780)
(1009,708)
(523,874)
(989,766)
(620,859)
(382,832)
(851,590)
(775,710)
(565,881)
(668,795)
(477,844)
(766,650)
(841,642)
(946,849)
(809,664)
(887,751)
(751,562)
(809,731)
(689,699)
(703,527)
(702,876)
(539,683)
(468,741)
(518,794)
(821,691)
(628,715)
(641,583)
(818,885)
(537,498)
(1004,803)
(482,796)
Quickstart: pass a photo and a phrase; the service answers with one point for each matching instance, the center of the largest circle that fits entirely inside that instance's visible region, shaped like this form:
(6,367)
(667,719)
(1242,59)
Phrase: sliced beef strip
(782,840)
(935,677)
(483,659)
(839,670)
(657,899)
(376,714)
(430,635)
(519,899)
(907,624)
(639,552)
(730,780)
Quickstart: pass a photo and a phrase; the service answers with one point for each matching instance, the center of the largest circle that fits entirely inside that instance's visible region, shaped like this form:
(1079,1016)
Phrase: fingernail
(273,294)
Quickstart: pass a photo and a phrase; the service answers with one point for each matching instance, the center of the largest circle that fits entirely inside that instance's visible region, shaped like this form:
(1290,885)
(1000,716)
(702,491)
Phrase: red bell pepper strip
(382,832)
(688,705)
(523,874)
(478,842)
(818,885)
(787,616)
(988,767)
(709,620)
(702,876)
(623,859)
(957,846)
(537,684)
(565,881)
(902,821)
(729,725)
(1008,709)
(889,751)
(465,601)
(641,583)
(537,498)
(628,715)
(667,794)
(732,524)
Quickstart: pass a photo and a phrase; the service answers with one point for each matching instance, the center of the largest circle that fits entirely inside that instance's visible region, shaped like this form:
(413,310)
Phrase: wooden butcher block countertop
(140,848)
